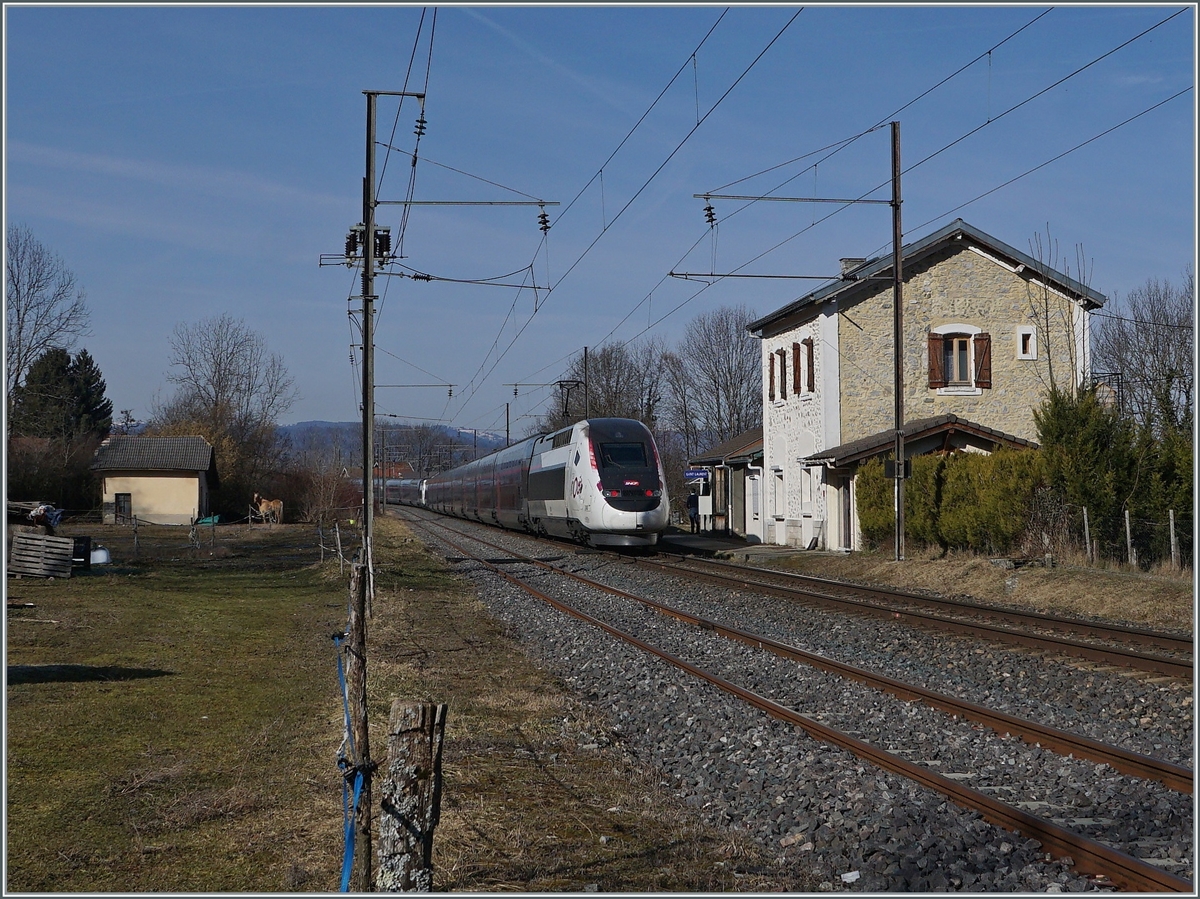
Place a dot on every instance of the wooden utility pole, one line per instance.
(898, 329)
(360, 747)
(411, 796)
(901, 469)
(368, 336)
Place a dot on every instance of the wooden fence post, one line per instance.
(411, 800)
(356, 688)
(1087, 537)
(1129, 541)
(1174, 542)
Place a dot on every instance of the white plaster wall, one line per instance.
(159, 498)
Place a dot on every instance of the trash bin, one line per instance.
(81, 553)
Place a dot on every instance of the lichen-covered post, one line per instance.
(411, 800)
(356, 688)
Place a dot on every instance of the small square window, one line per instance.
(1026, 343)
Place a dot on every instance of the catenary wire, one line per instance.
(599, 174)
(638, 193)
(836, 147)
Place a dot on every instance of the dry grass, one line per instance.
(171, 726)
(1163, 600)
(534, 800)
(173, 719)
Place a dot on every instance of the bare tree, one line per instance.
(427, 448)
(715, 378)
(622, 381)
(317, 478)
(225, 373)
(1145, 345)
(232, 391)
(44, 307)
(1051, 313)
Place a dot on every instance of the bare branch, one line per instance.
(45, 309)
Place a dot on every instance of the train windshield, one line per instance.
(623, 455)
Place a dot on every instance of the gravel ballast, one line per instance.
(817, 807)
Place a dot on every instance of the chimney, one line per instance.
(851, 262)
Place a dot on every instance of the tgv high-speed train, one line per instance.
(599, 482)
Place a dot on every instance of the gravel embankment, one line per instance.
(855, 826)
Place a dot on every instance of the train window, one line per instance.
(623, 455)
(562, 438)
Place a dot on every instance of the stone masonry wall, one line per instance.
(957, 286)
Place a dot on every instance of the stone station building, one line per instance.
(987, 330)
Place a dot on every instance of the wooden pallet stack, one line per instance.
(40, 555)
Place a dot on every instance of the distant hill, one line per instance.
(300, 428)
(348, 432)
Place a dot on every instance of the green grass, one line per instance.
(187, 739)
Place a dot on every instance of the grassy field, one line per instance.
(173, 721)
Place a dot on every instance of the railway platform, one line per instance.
(713, 544)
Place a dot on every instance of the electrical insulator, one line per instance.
(450, 393)
(420, 129)
(364, 283)
(514, 391)
(383, 243)
(351, 244)
(710, 215)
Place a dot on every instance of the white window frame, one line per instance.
(1027, 349)
(779, 496)
(969, 331)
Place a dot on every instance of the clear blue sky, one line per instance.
(192, 161)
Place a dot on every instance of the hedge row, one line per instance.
(957, 501)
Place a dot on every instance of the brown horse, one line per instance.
(269, 509)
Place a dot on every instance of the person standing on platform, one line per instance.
(693, 508)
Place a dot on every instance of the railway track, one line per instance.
(1088, 854)
(1110, 645)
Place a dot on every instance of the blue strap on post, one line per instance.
(349, 812)
(348, 858)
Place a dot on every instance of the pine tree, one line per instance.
(40, 404)
(1092, 459)
(91, 412)
(62, 399)
(62, 406)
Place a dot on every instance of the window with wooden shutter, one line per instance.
(810, 365)
(782, 354)
(796, 368)
(983, 360)
(937, 368)
(771, 381)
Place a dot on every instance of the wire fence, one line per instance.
(1074, 532)
(141, 538)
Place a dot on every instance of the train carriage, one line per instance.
(598, 481)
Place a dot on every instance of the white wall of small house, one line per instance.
(796, 424)
(159, 497)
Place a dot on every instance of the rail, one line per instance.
(1088, 856)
